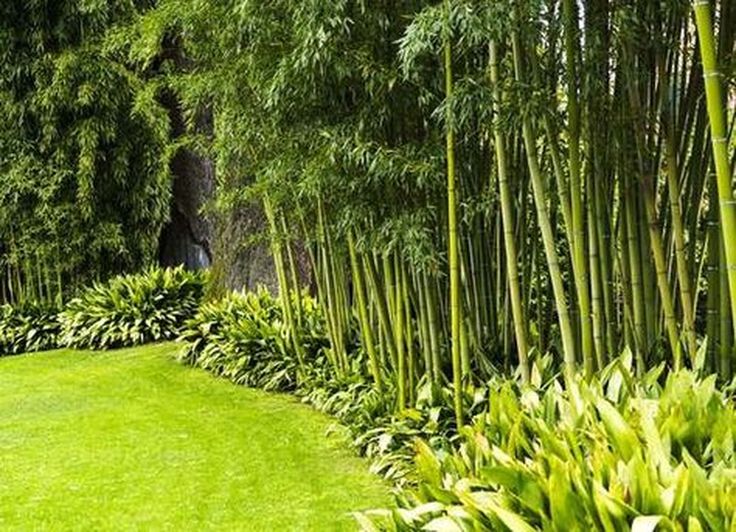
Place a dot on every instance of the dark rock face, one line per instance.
(230, 243)
(187, 238)
(242, 254)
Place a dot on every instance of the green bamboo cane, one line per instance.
(434, 327)
(714, 256)
(39, 277)
(539, 189)
(423, 319)
(713, 303)
(11, 293)
(580, 271)
(342, 310)
(508, 224)
(398, 321)
(634, 269)
(719, 140)
(726, 335)
(378, 298)
(408, 334)
(284, 290)
(660, 263)
(683, 275)
(648, 276)
(293, 274)
(59, 285)
(361, 304)
(452, 232)
(673, 190)
(3, 286)
(333, 324)
(595, 289)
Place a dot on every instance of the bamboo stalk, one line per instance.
(580, 270)
(361, 304)
(284, 289)
(508, 226)
(719, 140)
(452, 233)
(538, 187)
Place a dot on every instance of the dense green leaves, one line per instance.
(132, 309)
(27, 328)
(127, 310)
(85, 176)
(547, 460)
(243, 338)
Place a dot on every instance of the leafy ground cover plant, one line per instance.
(132, 309)
(615, 454)
(243, 338)
(28, 327)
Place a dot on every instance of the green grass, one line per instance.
(131, 440)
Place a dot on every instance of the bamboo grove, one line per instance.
(493, 181)
(573, 209)
(84, 162)
(474, 186)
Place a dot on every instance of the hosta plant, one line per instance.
(132, 309)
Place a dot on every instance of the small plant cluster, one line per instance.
(132, 309)
(28, 327)
(125, 311)
(616, 454)
(243, 338)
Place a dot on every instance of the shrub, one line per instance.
(243, 338)
(27, 328)
(132, 309)
(598, 456)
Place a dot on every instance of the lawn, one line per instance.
(131, 440)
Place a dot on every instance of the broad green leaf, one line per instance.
(428, 466)
(365, 523)
(443, 524)
(622, 435)
(646, 523)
